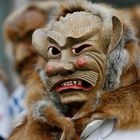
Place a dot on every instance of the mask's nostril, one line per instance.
(66, 72)
(70, 72)
(67, 69)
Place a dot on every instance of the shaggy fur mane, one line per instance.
(71, 7)
(87, 6)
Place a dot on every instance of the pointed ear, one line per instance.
(40, 43)
(117, 33)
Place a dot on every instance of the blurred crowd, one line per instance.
(18, 29)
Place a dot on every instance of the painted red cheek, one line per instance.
(49, 69)
(81, 62)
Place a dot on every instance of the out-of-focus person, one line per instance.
(4, 113)
(18, 30)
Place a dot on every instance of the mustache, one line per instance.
(90, 77)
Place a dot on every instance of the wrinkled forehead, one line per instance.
(76, 25)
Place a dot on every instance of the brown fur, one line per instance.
(134, 14)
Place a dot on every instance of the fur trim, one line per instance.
(118, 59)
(77, 6)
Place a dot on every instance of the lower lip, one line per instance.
(59, 89)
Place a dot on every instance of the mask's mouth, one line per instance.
(74, 84)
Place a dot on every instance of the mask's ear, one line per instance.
(39, 41)
(117, 32)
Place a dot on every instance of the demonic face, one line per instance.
(75, 71)
(75, 54)
(75, 60)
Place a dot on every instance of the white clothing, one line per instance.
(17, 105)
(103, 130)
(5, 125)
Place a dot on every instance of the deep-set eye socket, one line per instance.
(80, 48)
(53, 51)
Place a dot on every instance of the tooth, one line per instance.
(65, 84)
(79, 82)
(74, 82)
(69, 83)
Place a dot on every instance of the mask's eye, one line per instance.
(53, 51)
(80, 48)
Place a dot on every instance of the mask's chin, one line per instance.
(72, 96)
(74, 100)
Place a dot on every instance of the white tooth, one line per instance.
(65, 84)
(69, 83)
(74, 82)
(79, 82)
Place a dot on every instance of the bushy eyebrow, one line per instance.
(51, 40)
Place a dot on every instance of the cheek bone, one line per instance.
(49, 69)
(82, 61)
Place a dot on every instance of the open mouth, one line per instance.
(75, 84)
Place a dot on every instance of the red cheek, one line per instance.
(49, 69)
(81, 62)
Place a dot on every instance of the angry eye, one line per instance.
(53, 51)
(80, 48)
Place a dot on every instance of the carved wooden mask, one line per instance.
(75, 48)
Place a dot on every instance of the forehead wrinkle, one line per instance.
(70, 41)
(75, 25)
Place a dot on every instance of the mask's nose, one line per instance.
(62, 68)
